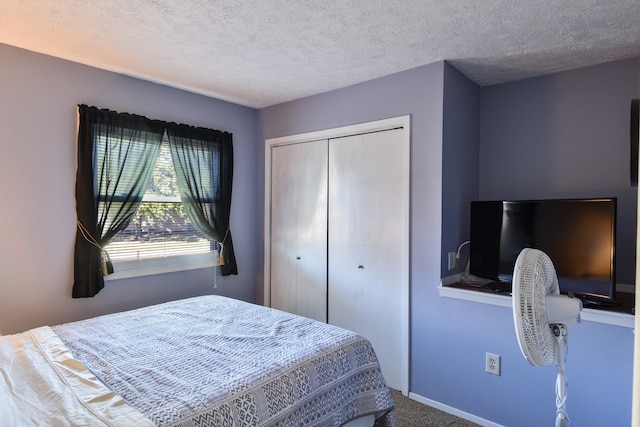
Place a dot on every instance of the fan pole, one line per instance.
(560, 332)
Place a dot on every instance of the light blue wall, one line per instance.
(460, 171)
(564, 135)
(455, 128)
(38, 98)
(449, 337)
(417, 92)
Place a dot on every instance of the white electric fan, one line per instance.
(539, 314)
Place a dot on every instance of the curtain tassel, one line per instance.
(107, 265)
(221, 244)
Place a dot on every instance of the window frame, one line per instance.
(148, 267)
(125, 269)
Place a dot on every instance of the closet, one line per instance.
(336, 233)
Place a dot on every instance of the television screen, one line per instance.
(577, 234)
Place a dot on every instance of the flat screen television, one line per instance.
(577, 234)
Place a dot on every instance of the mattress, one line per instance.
(203, 361)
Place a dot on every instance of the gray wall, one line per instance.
(38, 98)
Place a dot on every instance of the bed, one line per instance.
(202, 361)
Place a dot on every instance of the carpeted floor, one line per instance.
(409, 413)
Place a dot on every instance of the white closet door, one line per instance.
(368, 223)
(299, 229)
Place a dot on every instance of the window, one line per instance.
(160, 228)
(131, 204)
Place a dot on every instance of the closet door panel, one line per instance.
(299, 229)
(366, 228)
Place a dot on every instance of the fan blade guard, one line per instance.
(534, 278)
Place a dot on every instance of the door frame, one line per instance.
(403, 122)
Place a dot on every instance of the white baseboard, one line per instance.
(453, 411)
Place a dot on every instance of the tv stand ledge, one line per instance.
(617, 314)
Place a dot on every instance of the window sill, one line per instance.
(130, 269)
(587, 314)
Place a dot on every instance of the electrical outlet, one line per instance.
(452, 260)
(492, 365)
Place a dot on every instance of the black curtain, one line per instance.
(116, 156)
(203, 159)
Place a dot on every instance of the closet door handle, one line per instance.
(361, 266)
(297, 257)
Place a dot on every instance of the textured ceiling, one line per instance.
(264, 52)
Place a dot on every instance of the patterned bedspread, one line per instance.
(215, 361)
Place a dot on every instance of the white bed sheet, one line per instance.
(42, 384)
